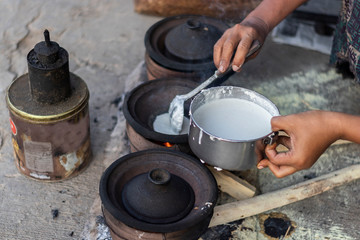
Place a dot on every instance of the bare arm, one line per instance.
(310, 134)
(255, 26)
(350, 127)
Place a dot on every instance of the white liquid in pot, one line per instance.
(233, 119)
(162, 125)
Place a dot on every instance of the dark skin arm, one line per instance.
(255, 26)
(309, 133)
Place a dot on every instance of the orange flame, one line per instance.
(167, 144)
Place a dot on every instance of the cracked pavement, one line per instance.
(103, 50)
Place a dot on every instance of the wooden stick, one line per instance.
(241, 209)
(232, 184)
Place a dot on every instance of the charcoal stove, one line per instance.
(157, 194)
(182, 46)
(144, 103)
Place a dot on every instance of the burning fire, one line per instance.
(167, 144)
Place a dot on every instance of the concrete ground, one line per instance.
(105, 43)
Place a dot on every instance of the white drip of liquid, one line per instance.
(233, 119)
(162, 125)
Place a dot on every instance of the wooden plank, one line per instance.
(232, 184)
(219, 9)
(241, 209)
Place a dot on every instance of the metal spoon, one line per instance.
(176, 109)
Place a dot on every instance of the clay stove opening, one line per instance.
(144, 103)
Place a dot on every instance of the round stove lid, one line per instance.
(158, 197)
(185, 42)
(192, 40)
(184, 166)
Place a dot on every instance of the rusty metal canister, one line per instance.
(49, 116)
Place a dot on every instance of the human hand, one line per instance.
(309, 135)
(239, 38)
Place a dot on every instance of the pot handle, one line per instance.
(271, 138)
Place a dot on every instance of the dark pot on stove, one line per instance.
(144, 103)
(182, 46)
(157, 194)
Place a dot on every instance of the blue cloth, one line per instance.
(346, 44)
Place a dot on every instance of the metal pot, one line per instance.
(227, 153)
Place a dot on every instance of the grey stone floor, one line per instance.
(105, 43)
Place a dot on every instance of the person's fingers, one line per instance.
(218, 50)
(259, 150)
(284, 140)
(226, 46)
(279, 171)
(282, 170)
(228, 49)
(279, 158)
(280, 123)
(241, 52)
(263, 163)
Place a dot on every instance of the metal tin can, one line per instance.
(49, 116)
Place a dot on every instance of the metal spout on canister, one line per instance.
(49, 75)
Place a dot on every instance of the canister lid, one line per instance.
(19, 100)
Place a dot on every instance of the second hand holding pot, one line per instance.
(176, 109)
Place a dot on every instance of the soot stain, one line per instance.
(116, 101)
(276, 225)
(221, 232)
(310, 176)
(55, 213)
